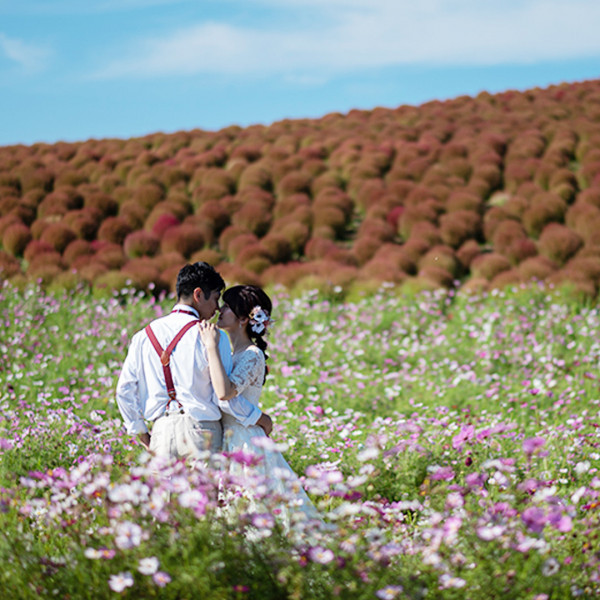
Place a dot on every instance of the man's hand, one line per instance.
(266, 423)
(144, 439)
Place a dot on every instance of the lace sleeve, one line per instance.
(248, 369)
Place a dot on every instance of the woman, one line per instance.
(245, 315)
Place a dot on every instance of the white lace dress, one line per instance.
(247, 376)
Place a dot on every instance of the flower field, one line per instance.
(451, 443)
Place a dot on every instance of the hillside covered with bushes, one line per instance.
(480, 192)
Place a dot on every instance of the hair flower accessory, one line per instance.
(259, 320)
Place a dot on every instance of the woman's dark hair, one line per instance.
(241, 299)
(199, 275)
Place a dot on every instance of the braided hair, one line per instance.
(243, 300)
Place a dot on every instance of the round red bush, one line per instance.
(536, 268)
(185, 239)
(75, 250)
(9, 266)
(83, 223)
(141, 243)
(559, 243)
(489, 265)
(545, 208)
(15, 239)
(160, 223)
(278, 247)
(215, 215)
(114, 230)
(58, 235)
(467, 253)
(459, 226)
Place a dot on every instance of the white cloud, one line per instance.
(27, 56)
(350, 34)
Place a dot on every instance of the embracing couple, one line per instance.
(199, 387)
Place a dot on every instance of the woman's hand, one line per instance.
(209, 333)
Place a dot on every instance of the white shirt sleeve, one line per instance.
(241, 409)
(127, 393)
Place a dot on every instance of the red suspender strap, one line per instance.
(165, 358)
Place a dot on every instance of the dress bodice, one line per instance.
(247, 375)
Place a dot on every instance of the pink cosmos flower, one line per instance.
(532, 444)
(161, 578)
(534, 518)
(118, 583)
(442, 474)
(321, 555)
(128, 535)
(466, 434)
(244, 458)
(389, 592)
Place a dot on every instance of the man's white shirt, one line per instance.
(141, 390)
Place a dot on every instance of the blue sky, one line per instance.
(74, 70)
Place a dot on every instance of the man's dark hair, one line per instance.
(199, 275)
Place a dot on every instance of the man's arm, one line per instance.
(128, 400)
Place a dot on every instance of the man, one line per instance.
(165, 376)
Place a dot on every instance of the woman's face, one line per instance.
(227, 319)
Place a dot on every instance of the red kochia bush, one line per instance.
(77, 249)
(295, 182)
(9, 266)
(510, 278)
(143, 274)
(102, 203)
(516, 206)
(440, 257)
(114, 229)
(462, 200)
(184, 239)
(459, 226)
(253, 216)
(148, 195)
(365, 248)
(277, 247)
(84, 223)
(414, 213)
(318, 247)
(467, 253)
(15, 239)
(424, 230)
(214, 215)
(256, 175)
(584, 220)
(537, 267)
(7, 221)
(133, 213)
(36, 247)
(58, 235)
(287, 205)
(207, 255)
(489, 265)
(439, 276)
(228, 234)
(161, 223)
(588, 266)
(254, 258)
(109, 254)
(559, 243)
(545, 208)
(141, 243)
(58, 203)
(590, 196)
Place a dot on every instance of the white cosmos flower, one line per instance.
(148, 566)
